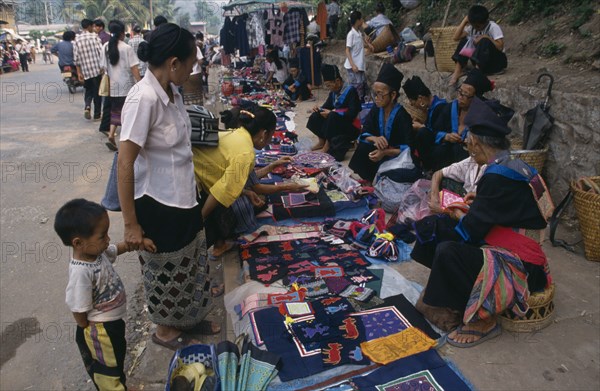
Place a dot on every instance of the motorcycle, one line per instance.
(69, 75)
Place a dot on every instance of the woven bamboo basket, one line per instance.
(388, 37)
(539, 315)
(444, 46)
(536, 158)
(415, 114)
(587, 206)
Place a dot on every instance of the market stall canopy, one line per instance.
(14, 36)
(257, 4)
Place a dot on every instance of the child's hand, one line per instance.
(149, 245)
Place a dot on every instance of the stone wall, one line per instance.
(574, 142)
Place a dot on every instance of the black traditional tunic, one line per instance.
(340, 127)
(451, 249)
(396, 131)
(301, 84)
(434, 152)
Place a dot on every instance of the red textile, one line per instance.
(321, 19)
(527, 249)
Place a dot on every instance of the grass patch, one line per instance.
(551, 49)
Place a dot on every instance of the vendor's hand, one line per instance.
(282, 161)
(417, 125)
(292, 88)
(376, 155)
(149, 245)
(354, 69)
(434, 205)
(380, 142)
(255, 200)
(455, 213)
(452, 138)
(325, 113)
(134, 237)
(469, 198)
(296, 187)
(316, 109)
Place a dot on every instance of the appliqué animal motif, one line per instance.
(334, 353)
(356, 354)
(349, 326)
(310, 332)
(334, 309)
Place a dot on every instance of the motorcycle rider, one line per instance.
(64, 51)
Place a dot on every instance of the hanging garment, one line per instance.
(275, 18)
(321, 19)
(256, 30)
(241, 34)
(292, 22)
(227, 36)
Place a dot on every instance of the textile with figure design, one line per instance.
(396, 346)
(272, 261)
(423, 371)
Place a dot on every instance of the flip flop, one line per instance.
(111, 146)
(176, 343)
(496, 331)
(203, 328)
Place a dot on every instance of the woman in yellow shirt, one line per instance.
(221, 172)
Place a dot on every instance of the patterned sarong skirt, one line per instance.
(176, 284)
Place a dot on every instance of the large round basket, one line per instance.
(539, 315)
(587, 206)
(444, 46)
(536, 158)
(387, 37)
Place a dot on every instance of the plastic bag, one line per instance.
(340, 176)
(414, 204)
(390, 193)
(408, 35)
(402, 161)
(468, 49)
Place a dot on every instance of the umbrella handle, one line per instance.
(550, 84)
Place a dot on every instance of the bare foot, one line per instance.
(443, 318)
(317, 146)
(221, 248)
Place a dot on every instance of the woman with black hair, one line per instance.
(158, 194)
(222, 172)
(120, 62)
(278, 71)
(387, 128)
(421, 98)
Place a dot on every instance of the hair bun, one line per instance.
(143, 51)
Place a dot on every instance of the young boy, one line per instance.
(95, 293)
(355, 54)
(481, 41)
(295, 86)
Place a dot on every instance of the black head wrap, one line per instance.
(414, 87)
(390, 76)
(483, 121)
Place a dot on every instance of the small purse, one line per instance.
(110, 201)
(104, 89)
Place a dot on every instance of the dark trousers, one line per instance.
(336, 129)
(486, 57)
(437, 156)
(302, 92)
(91, 87)
(105, 121)
(24, 63)
(102, 347)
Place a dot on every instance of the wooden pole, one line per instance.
(446, 13)
(312, 64)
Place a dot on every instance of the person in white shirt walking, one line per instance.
(355, 54)
(121, 64)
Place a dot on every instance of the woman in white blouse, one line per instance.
(157, 191)
(121, 64)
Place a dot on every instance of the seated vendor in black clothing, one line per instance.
(443, 143)
(296, 86)
(336, 122)
(387, 128)
(421, 98)
(481, 262)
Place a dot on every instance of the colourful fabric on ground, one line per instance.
(423, 371)
(396, 346)
(501, 285)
